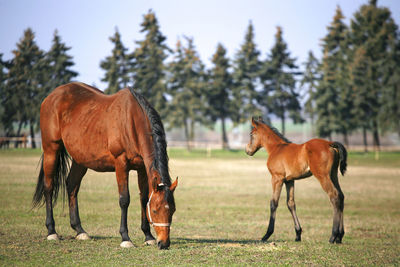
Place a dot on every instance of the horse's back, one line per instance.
(91, 125)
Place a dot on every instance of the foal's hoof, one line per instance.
(127, 244)
(82, 236)
(150, 242)
(53, 237)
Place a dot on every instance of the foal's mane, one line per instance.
(160, 161)
(275, 131)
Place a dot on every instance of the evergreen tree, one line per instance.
(3, 74)
(186, 85)
(309, 82)
(246, 67)
(373, 30)
(220, 97)
(24, 83)
(148, 69)
(362, 91)
(390, 111)
(116, 66)
(59, 63)
(279, 90)
(328, 92)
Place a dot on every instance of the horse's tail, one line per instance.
(342, 156)
(62, 166)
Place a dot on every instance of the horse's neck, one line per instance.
(270, 140)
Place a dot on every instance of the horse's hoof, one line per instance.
(82, 236)
(53, 237)
(150, 242)
(126, 244)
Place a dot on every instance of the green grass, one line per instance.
(222, 212)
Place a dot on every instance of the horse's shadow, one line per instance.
(222, 241)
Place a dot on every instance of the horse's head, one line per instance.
(159, 211)
(255, 138)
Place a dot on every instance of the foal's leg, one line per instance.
(292, 208)
(335, 182)
(144, 193)
(276, 193)
(73, 183)
(122, 173)
(50, 157)
(337, 202)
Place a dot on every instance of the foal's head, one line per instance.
(255, 138)
(159, 210)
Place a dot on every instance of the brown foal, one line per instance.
(288, 162)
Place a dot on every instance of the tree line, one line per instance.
(354, 86)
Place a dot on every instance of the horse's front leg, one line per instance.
(292, 208)
(122, 173)
(144, 192)
(276, 193)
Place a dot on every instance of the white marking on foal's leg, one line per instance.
(150, 242)
(53, 237)
(126, 244)
(82, 236)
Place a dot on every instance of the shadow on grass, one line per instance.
(95, 237)
(223, 241)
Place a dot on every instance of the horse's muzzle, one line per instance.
(163, 245)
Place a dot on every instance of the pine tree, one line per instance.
(220, 97)
(362, 91)
(186, 85)
(279, 90)
(59, 63)
(116, 66)
(327, 96)
(24, 84)
(246, 67)
(3, 76)
(148, 69)
(309, 82)
(390, 111)
(373, 29)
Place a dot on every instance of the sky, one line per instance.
(86, 25)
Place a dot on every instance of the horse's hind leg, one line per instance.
(276, 193)
(292, 208)
(49, 170)
(335, 182)
(73, 183)
(144, 193)
(336, 197)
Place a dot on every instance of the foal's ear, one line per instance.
(254, 122)
(174, 185)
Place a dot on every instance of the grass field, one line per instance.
(222, 212)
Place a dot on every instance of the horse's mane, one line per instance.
(273, 129)
(160, 161)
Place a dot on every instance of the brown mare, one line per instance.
(105, 133)
(288, 162)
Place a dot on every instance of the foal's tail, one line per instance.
(61, 170)
(342, 156)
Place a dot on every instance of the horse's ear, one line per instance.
(254, 122)
(174, 185)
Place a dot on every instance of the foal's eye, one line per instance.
(154, 211)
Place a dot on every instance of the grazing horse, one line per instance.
(288, 162)
(105, 133)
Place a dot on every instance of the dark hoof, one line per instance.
(298, 239)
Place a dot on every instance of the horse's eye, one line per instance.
(154, 211)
